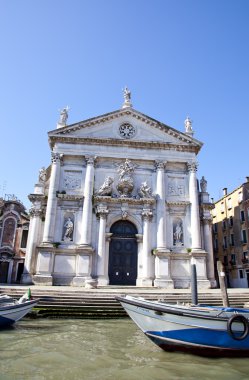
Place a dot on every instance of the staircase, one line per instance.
(65, 302)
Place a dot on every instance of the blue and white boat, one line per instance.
(199, 329)
(12, 310)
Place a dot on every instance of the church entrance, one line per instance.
(123, 254)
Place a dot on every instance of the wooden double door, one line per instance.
(123, 254)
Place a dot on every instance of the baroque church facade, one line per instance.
(120, 204)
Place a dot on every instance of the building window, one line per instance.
(240, 197)
(242, 215)
(233, 259)
(245, 257)
(215, 228)
(225, 260)
(222, 208)
(243, 237)
(230, 221)
(24, 239)
(225, 242)
(229, 203)
(232, 240)
(241, 273)
(224, 224)
(216, 244)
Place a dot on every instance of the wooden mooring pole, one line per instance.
(194, 292)
(223, 287)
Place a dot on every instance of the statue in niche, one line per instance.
(68, 234)
(203, 184)
(42, 175)
(145, 190)
(106, 188)
(125, 183)
(178, 233)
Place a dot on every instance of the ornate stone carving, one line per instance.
(125, 183)
(127, 130)
(203, 184)
(175, 189)
(106, 188)
(192, 166)
(56, 158)
(124, 214)
(145, 191)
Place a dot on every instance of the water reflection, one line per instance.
(89, 349)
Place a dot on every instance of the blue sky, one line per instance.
(178, 57)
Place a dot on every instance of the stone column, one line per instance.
(34, 227)
(50, 218)
(194, 207)
(208, 246)
(146, 279)
(161, 210)
(86, 227)
(102, 212)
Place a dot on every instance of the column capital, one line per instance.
(102, 211)
(36, 212)
(90, 160)
(159, 165)
(56, 158)
(147, 214)
(192, 166)
(207, 220)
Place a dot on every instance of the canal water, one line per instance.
(44, 349)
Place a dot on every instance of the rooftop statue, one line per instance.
(127, 98)
(64, 115)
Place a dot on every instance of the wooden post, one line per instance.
(223, 288)
(194, 293)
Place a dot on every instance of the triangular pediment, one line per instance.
(126, 126)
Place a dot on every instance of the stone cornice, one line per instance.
(120, 142)
(70, 197)
(178, 203)
(36, 197)
(108, 199)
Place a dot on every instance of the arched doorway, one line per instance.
(123, 254)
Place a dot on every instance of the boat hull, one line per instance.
(10, 314)
(202, 331)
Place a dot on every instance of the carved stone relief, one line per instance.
(176, 187)
(72, 180)
(106, 188)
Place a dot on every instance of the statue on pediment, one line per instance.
(203, 184)
(42, 175)
(64, 115)
(127, 98)
(106, 188)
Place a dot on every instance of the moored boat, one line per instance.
(199, 329)
(12, 310)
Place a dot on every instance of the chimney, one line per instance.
(212, 200)
(225, 191)
(247, 179)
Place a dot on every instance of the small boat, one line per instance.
(12, 310)
(199, 329)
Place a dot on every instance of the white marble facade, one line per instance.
(122, 171)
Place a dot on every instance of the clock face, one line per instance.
(127, 130)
